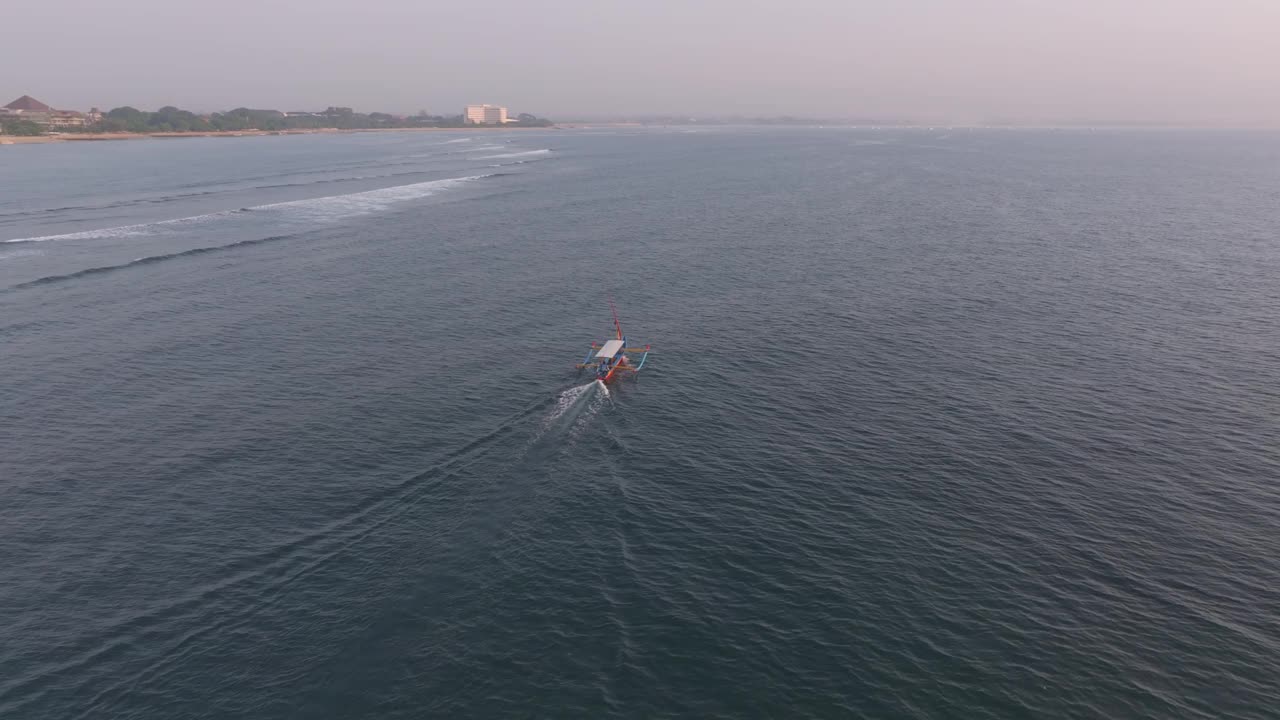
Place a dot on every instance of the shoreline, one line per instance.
(107, 137)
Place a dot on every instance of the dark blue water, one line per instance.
(939, 424)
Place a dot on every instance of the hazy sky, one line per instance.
(1182, 61)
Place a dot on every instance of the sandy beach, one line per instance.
(87, 137)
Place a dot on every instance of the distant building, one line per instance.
(29, 108)
(68, 118)
(27, 104)
(484, 115)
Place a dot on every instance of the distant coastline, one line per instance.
(27, 117)
(107, 137)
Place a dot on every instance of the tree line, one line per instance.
(172, 119)
(13, 126)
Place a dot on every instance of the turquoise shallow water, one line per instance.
(938, 424)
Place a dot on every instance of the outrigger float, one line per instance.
(609, 359)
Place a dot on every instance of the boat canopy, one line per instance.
(610, 349)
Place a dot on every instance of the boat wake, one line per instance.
(573, 401)
(158, 638)
(572, 413)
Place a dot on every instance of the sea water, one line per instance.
(963, 423)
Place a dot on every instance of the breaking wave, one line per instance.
(9, 218)
(322, 209)
(526, 153)
(146, 261)
(19, 254)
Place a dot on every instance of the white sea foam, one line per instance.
(527, 153)
(574, 408)
(567, 400)
(322, 209)
(19, 254)
(362, 203)
(592, 406)
(129, 230)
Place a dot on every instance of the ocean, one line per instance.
(937, 424)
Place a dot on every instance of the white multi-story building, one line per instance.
(484, 115)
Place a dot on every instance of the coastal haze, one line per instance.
(939, 422)
(1180, 62)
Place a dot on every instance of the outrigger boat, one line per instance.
(609, 359)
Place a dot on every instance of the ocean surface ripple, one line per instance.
(973, 424)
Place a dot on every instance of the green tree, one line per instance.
(111, 125)
(21, 127)
(172, 119)
(248, 119)
(132, 119)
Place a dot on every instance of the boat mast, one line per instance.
(617, 325)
